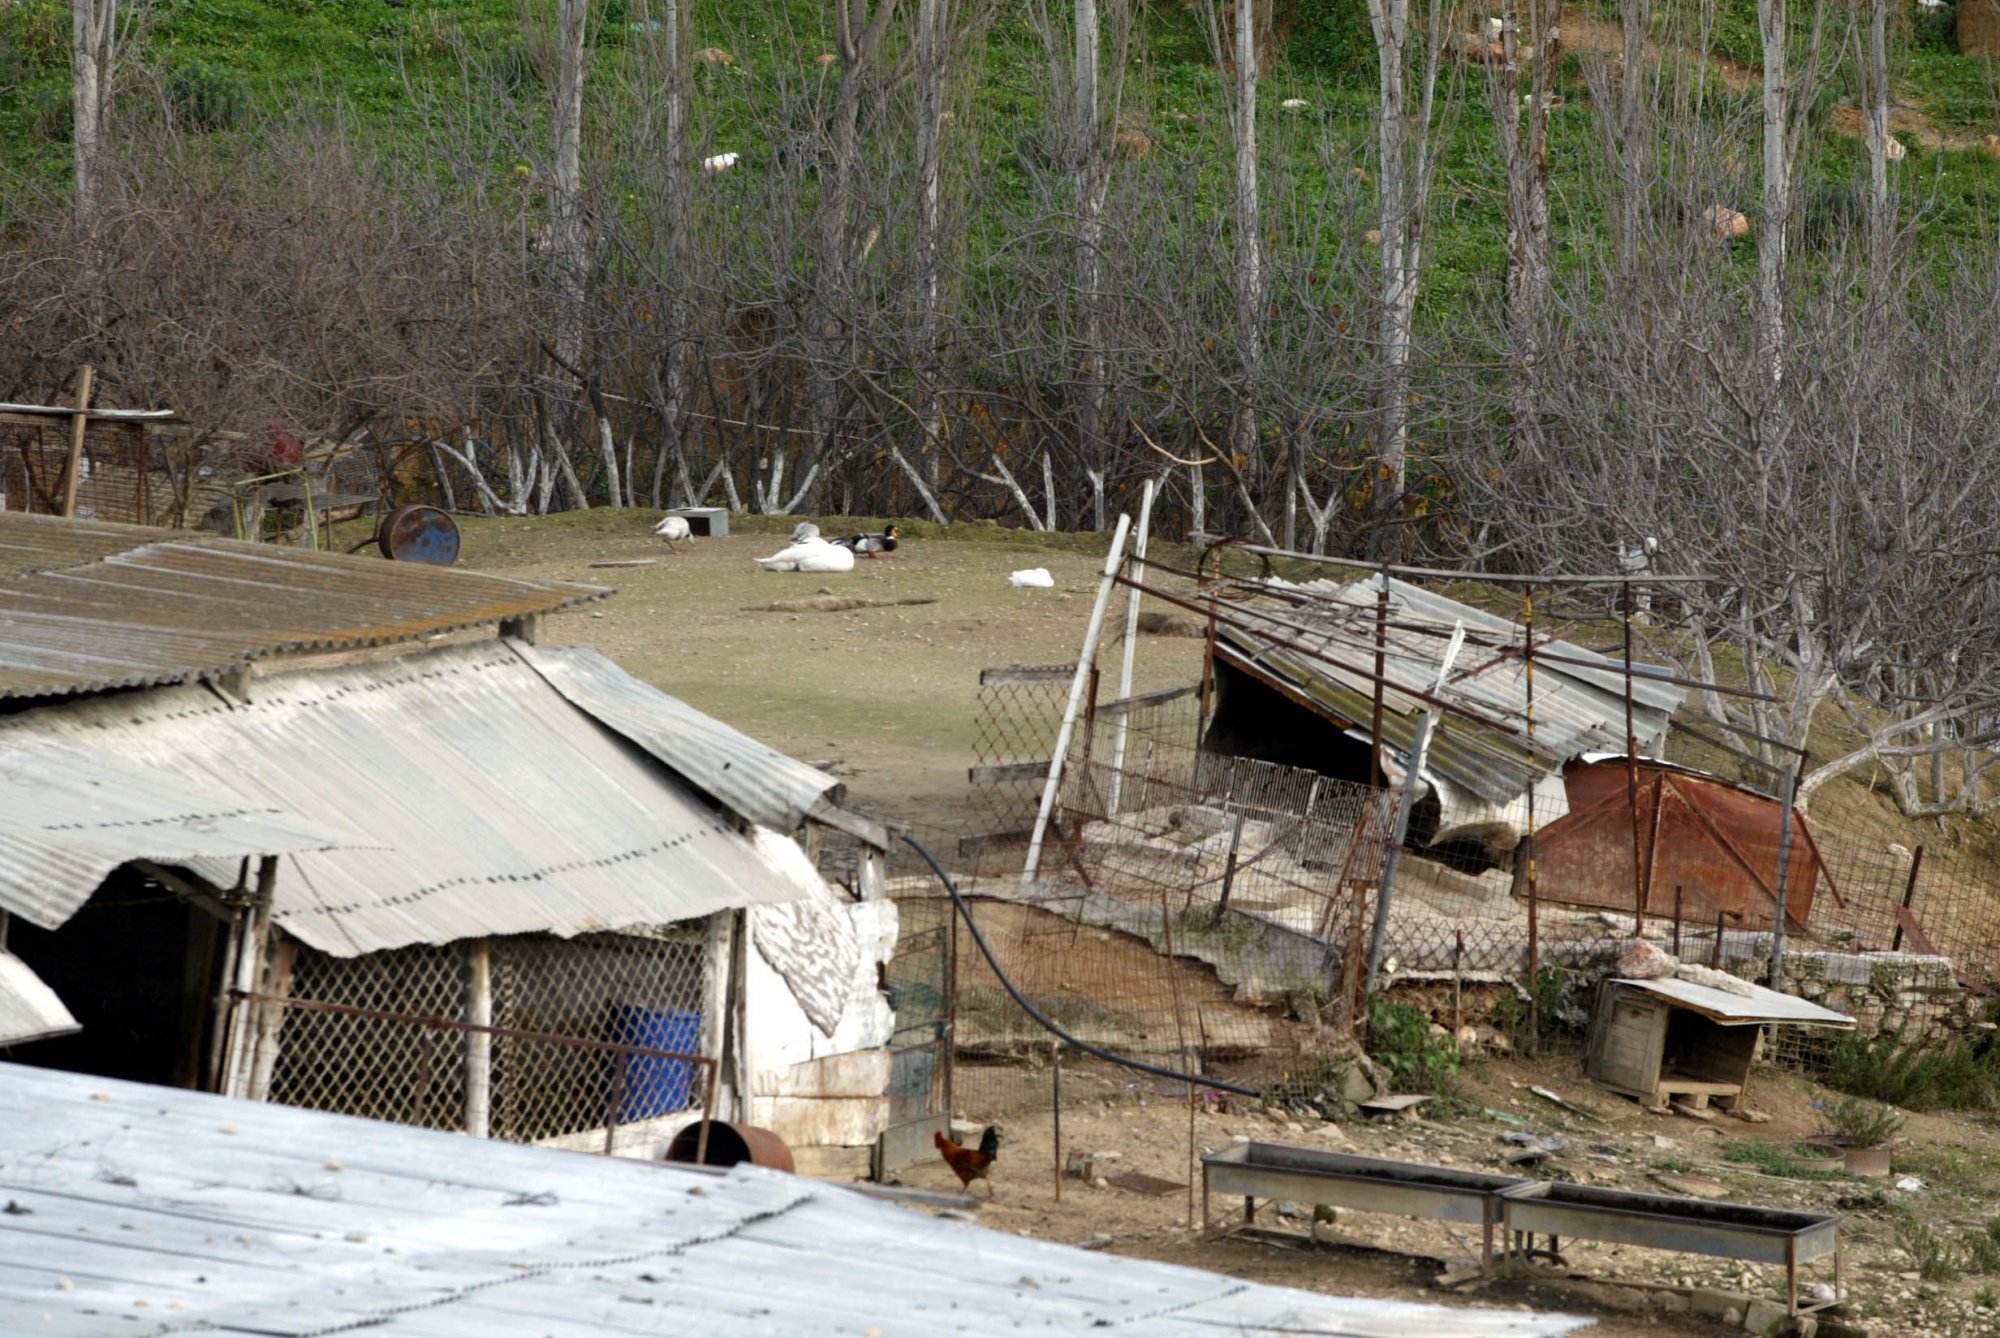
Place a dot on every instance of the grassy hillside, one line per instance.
(225, 66)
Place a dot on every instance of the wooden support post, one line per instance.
(1677, 919)
(718, 952)
(479, 1044)
(72, 471)
(277, 982)
(248, 967)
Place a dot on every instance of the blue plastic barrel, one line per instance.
(653, 1086)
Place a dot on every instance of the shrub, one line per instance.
(1935, 1257)
(207, 96)
(1953, 1076)
(1859, 1123)
(1400, 1040)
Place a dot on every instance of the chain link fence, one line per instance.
(595, 1004)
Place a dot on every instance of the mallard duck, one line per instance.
(871, 545)
(674, 529)
(810, 554)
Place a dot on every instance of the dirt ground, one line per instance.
(1957, 1158)
(881, 696)
(884, 696)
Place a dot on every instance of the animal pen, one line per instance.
(1214, 902)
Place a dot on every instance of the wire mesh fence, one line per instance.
(580, 1031)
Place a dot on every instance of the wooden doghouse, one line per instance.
(1667, 1040)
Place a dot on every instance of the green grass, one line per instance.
(1779, 1159)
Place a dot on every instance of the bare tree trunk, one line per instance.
(1777, 195)
(1090, 178)
(1875, 83)
(568, 236)
(933, 19)
(671, 388)
(93, 58)
(1635, 20)
(1403, 168)
(1528, 62)
(1249, 274)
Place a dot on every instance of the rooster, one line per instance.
(970, 1164)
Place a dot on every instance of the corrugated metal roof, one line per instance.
(477, 801)
(151, 1210)
(86, 605)
(29, 1010)
(72, 810)
(740, 773)
(1735, 1010)
(1578, 708)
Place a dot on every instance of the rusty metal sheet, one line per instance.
(1715, 840)
(86, 606)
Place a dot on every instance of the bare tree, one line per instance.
(1240, 98)
(1524, 80)
(94, 49)
(1409, 44)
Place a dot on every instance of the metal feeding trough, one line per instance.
(1365, 1184)
(1525, 1209)
(1658, 1221)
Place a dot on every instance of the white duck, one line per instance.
(809, 553)
(674, 529)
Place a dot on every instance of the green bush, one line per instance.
(1331, 38)
(1400, 1040)
(1936, 1258)
(1952, 1076)
(207, 96)
(1858, 1123)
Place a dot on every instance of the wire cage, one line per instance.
(118, 478)
(593, 1002)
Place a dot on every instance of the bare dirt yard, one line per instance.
(884, 694)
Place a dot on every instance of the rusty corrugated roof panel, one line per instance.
(86, 606)
(467, 795)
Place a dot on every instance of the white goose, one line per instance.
(809, 553)
(674, 529)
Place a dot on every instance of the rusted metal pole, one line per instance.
(1055, 1064)
(1715, 951)
(73, 470)
(1677, 919)
(1534, 908)
(1229, 866)
(1909, 897)
(1632, 773)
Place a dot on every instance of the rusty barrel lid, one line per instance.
(418, 534)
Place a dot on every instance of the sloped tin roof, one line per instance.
(140, 1211)
(445, 794)
(86, 605)
(1578, 707)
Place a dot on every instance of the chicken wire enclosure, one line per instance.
(1015, 726)
(625, 989)
(115, 473)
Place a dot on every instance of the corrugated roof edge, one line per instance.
(77, 545)
(737, 771)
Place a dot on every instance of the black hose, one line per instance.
(965, 913)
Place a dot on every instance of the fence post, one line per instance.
(479, 1044)
(77, 426)
(1083, 664)
(1131, 644)
(1909, 897)
(1785, 803)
